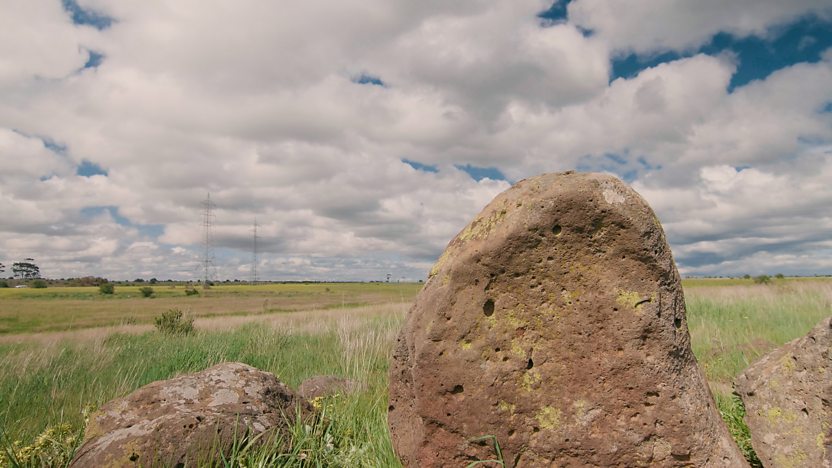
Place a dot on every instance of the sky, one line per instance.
(362, 135)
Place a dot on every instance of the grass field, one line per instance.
(69, 308)
(50, 374)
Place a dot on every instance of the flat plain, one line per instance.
(66, 351)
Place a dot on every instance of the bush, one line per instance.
(38, 284)
(107, 288)
(762, 279)
(174, 322)
(191, 292)
(4, 284)
(146, 291)
(779, 276)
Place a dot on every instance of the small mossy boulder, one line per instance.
(190, 419)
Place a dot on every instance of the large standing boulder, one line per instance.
(788, 402)
(555, 324)
(187, 419)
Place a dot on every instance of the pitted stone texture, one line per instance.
(188, 418)
(327, 385)
(788, 402)
(555, 322)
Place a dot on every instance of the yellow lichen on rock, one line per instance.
(506, 407)
(529, 379)
(481, 228)
(548, 417)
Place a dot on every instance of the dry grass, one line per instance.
(57, 309)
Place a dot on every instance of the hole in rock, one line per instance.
(677, 322)
(530, 364)
(457, 389)
(134, 457)
(556, 229)
(391, 408)
(535, 429)
(496, 350)
(510, 432)
(488, 308)
(805, 411)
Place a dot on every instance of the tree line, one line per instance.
(25, 270)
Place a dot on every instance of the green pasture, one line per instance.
(48, 383)
(29, 310)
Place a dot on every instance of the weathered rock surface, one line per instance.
(326, 385)
(555, 322)
(788, 401)
(182, 420)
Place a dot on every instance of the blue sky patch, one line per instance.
(801, 41)
(94, 59)
(479, 173)
(827, 107)
(626, 168)
(94, 211)
(420, 167)
(147, 230)
(556, 13)
(84, 17)
(89, 169)
(53, 146)
(366, 79)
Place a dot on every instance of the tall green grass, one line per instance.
(53, 386)
(731, 327)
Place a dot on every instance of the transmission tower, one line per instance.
(208, 241)
(254, 256)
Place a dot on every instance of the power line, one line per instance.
(254, 256)
(208, 240)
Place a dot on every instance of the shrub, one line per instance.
(779, 276)
(107, 288)
(191, 292)
(146, 291)
(55, 446)
(4, 284)
(174, 322)
(38, 284)
(762, 279)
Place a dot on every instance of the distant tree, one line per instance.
(779, 276)
(138, 280)
(2, 268)
(762, 279)
(146, 291)
(746, 276)
(153, 281)
(39, 284)
(27, 269)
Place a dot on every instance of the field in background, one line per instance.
(50, 378)
(69, 308)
